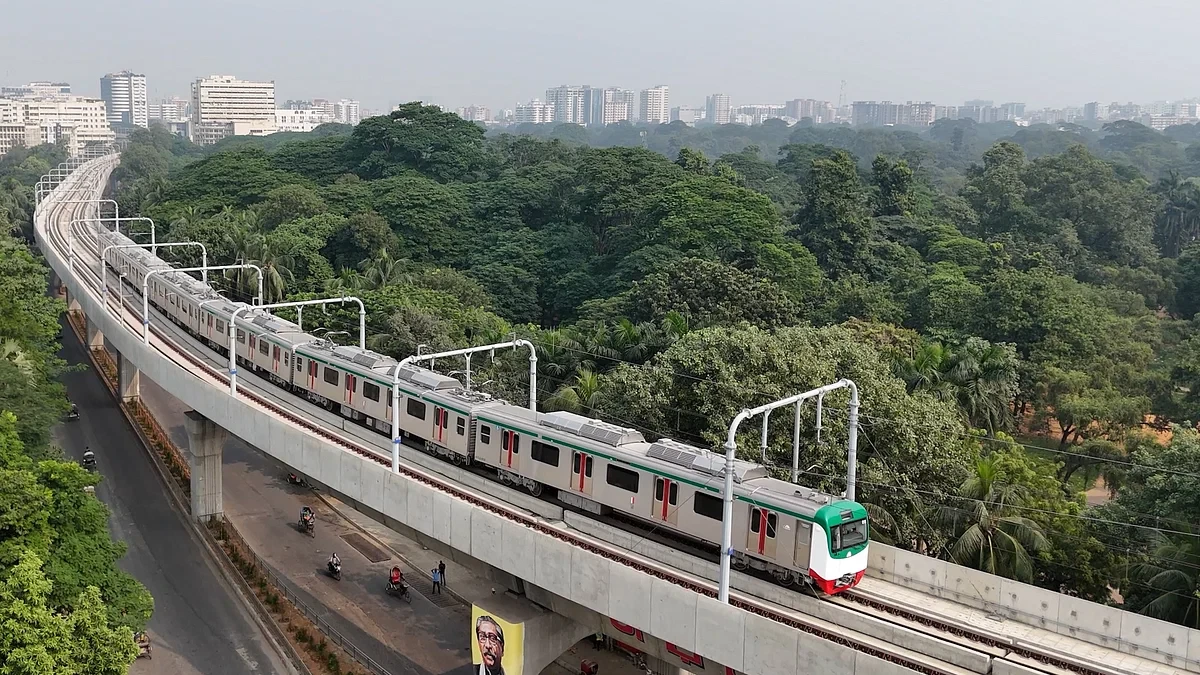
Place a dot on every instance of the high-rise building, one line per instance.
(125, 95)
(569, 103)
(656, 105)
(534, 112)
(1012, 111)
(346, 111)
(174, 109)
(820, 112)
(1093, 111)
(616, 105)
(475, 113)
(717, 109)
(687, 114)
(223, 105)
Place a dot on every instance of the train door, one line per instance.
(252, 342)
(441, 419)
(666, 500)
(581, 472)
(510, 449)
(803, 543)
(210, 326)
(351, 384)
(312, 375)
(274, 359)
(762, 532)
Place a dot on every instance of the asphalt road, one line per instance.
(199, 626)
(423, 637)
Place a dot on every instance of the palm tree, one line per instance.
(988, 537)
(383, 270)
(582, 397)
(347, 280)
(925, 371)
(1173, 578)
(277, 270)
(984, 376)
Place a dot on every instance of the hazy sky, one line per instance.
(458, 52)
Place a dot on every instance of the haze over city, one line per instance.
(1044, 53)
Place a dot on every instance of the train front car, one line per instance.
(839, 552)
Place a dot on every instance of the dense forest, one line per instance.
(64, 605)
(1017, 305)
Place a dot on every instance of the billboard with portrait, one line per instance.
(497, 646)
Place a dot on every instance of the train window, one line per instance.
(371, 391)
(263, 347)
(849, 535)
(756, 522)
(299, 363)
(285, 359)
(416, 408)
(622, 478)
(461, 426)
(587, 467)
(511, 441)
(485, 434)
(704, 504)
(546, 454)
(674, 497)
(332, 376)
(241, 336)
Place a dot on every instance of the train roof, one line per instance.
(472, 398)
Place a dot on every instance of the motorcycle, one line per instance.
(74, 413)
(309, 526)
(400, 589)
(335, 571)
(293, 479)
(89, 461)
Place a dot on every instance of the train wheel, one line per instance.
(535, 489)
(783, 577)
(740, 564)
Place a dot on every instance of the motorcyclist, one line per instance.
(74, 411)
(89, 457)
(397, 579)
(306, 515)
(335, 563)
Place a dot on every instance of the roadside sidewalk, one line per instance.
(466, 587)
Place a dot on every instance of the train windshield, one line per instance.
(849, 535)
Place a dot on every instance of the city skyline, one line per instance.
(490, 55)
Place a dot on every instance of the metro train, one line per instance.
(797, 535)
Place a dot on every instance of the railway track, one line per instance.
(993, 647)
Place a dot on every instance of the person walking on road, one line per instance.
(442, 571)
(437, 580)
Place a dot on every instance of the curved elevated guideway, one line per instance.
(585, 569)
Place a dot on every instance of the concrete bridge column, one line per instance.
(128, 377)
(95, 338)
(205, 443)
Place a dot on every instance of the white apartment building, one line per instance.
(617, 106)
(475, 113)
(717, 109)
(305, 120)
(570, 103)
(223, 105)
(74, 121)
(656, 105)
(174, 109)
(125, 95)
(346, 111)
(534, 112)
(689, 115)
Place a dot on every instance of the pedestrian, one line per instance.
(437, 580)
(442, 571)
